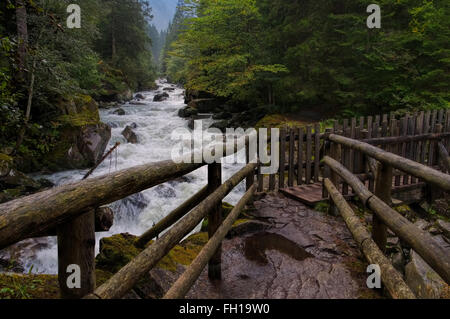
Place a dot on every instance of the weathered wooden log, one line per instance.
(405, 139)
(391, 278)
(215, 218)
(383, 186)
(104, 219)
(128, 276)
(443, 154)
(188, 278)
(32, 215)
(76, 255)
(173, 217)
(418, 239)
(426, 173)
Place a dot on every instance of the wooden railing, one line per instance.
(414, 136)
(70, 212)
(380, 202)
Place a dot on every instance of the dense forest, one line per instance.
(291, 55)
(50, 73)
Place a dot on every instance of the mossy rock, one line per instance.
(18, 286)
(119, 250)
(116, 252)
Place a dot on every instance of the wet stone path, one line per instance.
(288, 251)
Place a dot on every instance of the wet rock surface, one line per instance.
(289, 251)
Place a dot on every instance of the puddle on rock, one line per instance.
(256, 246)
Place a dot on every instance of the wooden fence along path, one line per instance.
(368, 157)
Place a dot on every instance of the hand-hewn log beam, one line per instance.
(37, 213)
(129, 275)
(391, 278)
(419, 240)
(426, 173)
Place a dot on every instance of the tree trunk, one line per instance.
(22, 35)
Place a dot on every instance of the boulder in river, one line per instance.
(129, 135)
(187, 112)
(169, 89)
(139, 96)
(137, 103)
(119, 111)
(161, 97)
(17, 179)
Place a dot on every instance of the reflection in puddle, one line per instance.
(256, 246)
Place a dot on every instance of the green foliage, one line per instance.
(303, 54)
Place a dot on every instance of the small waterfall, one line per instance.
(154, 123)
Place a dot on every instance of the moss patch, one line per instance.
(80, 119)
(279, 120)
(184, 253)
(116, 252)
(18, 286)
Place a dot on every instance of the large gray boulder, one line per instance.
(187, 112)
(422, 279)
(129, 135)
(161, 97)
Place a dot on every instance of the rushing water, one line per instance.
(155, 123)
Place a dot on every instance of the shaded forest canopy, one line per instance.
(292, 55)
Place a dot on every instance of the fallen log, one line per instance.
(173, 217)
(418, 239)
(426, 173)
(188, 278)
(391, 278)
(128, 276)
(32, 215)
(104, 219)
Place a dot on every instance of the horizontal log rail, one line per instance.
(426, 173)
(128, 276)
(35, 214)
(103, 219)
(188, 278)
(173, 217)
(419, 240)
(406, 139)
(391, 278)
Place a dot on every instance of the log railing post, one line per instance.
(250, 180)
(76, 256)
(215, 220)
(335, 153)
(383, 186)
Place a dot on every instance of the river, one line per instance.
(155, 123)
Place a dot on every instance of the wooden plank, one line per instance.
(215, 219)
(300, 156)
(309, 194)
(405, 121)
(308, 154)
(369, 126)
(316, 152)
(291, 157)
